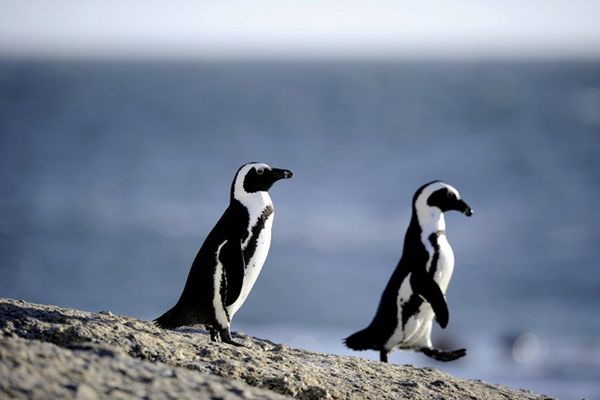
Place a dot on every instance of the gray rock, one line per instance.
(53, 352)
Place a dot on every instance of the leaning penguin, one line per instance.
(230, 260)
(416, 291)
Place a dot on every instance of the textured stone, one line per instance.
(53, 352)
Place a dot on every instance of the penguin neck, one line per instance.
(431, 220)
(255, 201)
(256, 205)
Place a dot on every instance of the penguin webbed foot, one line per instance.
(442, 355)
(383, 356)
(214, 335)
(226, 338)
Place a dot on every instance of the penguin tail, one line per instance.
(362, 340)
(172, 319)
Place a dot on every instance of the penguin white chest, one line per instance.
(443, 257)
(255, 248)
(255, 263)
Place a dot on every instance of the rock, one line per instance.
(53, 352)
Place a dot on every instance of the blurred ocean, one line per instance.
(112, 173)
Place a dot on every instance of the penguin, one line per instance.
(415, 293)
(231, 257)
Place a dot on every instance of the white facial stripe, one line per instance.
(435, 186)
(453, 190)
(430, 218)
(238, 190)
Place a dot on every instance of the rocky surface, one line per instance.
(53, 352)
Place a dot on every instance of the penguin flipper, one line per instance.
(232, 258)
(423, 285)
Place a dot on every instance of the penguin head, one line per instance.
(437, 197)
(257, 177)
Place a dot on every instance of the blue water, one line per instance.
(111, 175)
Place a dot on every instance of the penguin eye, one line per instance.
(260, 171)
(450, 195)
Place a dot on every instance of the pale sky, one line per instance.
(301, 29)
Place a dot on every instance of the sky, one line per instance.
(300, 29)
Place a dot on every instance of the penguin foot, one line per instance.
(383, 356)
(214, 335)
(442, 355)
(226, 338)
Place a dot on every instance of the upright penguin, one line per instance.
(230, 260)
(416, 290)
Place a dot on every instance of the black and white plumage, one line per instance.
(415, 293)
(231, 258)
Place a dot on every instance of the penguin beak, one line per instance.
(277, 174)
(464, 208)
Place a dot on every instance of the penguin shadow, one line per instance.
(194, 331)
(247, 341)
